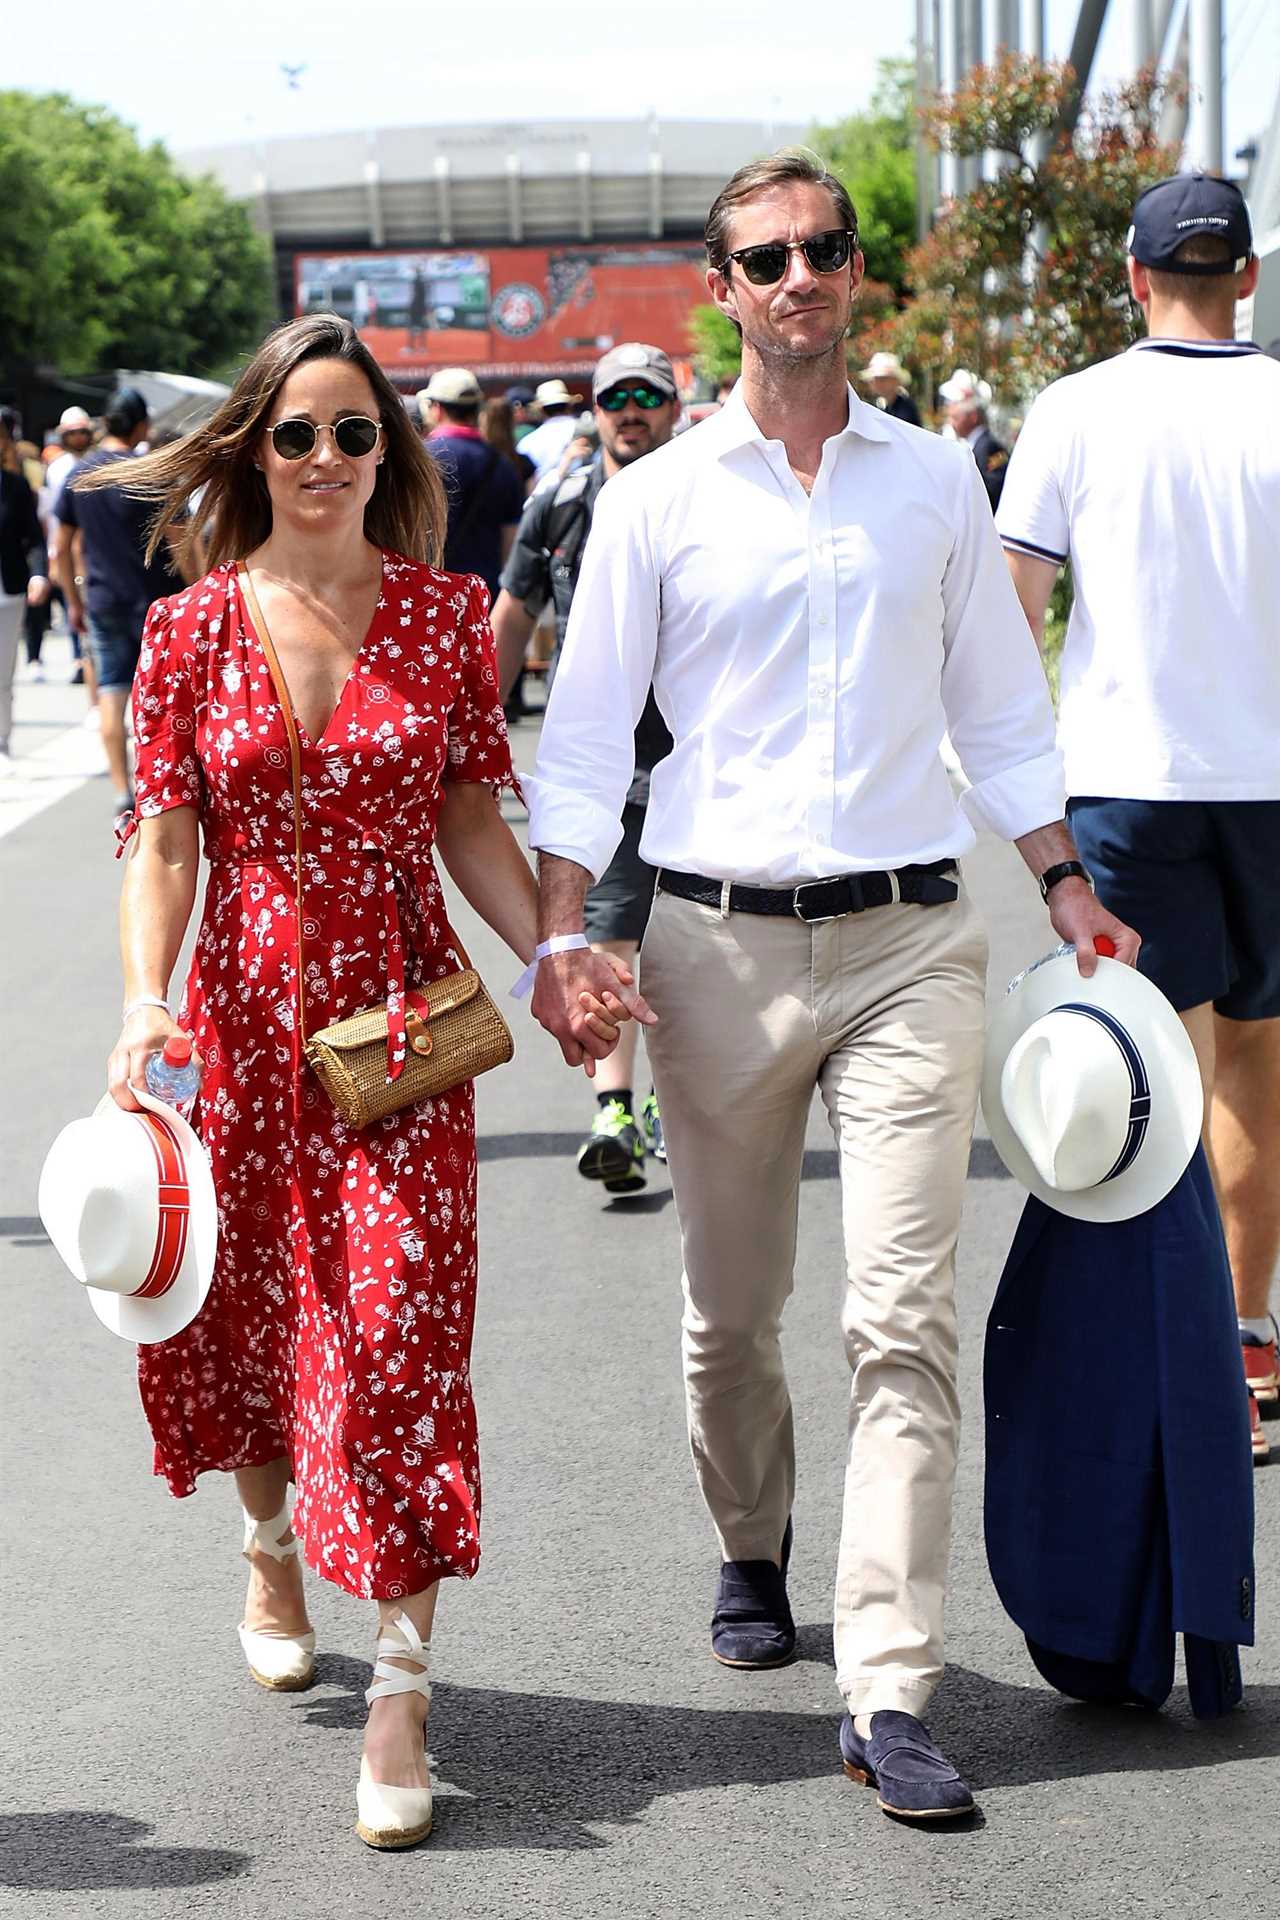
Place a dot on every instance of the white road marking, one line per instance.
(38, 779)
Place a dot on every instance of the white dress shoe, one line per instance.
(285, 1662)
(388, 1817)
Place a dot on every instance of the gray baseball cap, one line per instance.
(634, 361)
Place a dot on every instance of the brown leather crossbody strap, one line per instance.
(295, 771)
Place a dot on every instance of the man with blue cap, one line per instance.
(1157, 475)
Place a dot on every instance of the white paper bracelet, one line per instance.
(561, 943)
(146, 1000)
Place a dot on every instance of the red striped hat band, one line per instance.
(175, 1208)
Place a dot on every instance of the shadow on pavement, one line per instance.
(56, 1852)
(820, 1163)
(541, 1771)
(1003, 1736)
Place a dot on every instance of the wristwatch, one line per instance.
(1065, 870)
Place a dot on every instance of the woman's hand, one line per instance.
(143, 1033)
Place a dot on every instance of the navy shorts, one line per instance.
(1200, 881)
(115, 639)
(618, 905)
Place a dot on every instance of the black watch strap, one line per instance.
(1065, 870)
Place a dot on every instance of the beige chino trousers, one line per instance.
(883, 1011)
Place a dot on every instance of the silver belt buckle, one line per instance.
(813, 919)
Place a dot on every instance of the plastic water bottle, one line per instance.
(173, 1074)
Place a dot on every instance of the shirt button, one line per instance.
(822, 620)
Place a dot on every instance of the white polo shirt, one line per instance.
(806, 652)
(1157, 474)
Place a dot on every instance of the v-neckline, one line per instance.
(316, 740)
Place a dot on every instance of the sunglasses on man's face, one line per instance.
(355, 435)
(825, 252)
(617, 397)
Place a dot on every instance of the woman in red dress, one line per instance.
(333, 1350)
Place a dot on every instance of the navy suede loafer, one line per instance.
(752, 1624)
(912, 1779)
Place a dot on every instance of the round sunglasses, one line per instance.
(616, 398)
(825, 253)
(355, 435)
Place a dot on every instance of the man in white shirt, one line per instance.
(815, 591)
(1157, 474)
(545, 446)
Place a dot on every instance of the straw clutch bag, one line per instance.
(453, 1029)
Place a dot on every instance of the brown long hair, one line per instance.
(407, 512)
(497, 426)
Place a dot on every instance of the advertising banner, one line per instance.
(507, 311)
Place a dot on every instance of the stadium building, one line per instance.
(521, 251)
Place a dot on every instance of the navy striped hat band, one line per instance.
(1139, 1088)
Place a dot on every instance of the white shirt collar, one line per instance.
(737, 427)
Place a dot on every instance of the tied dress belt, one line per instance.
(916, 886)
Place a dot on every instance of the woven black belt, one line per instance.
(922, 886)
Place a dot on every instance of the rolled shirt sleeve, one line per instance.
(996, 698)
(587, 753)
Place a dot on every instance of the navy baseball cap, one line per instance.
(519, 396)
(1183, 208)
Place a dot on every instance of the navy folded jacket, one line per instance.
(1119, 1478)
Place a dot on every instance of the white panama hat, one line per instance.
(127, 1200)
(1091, 1088)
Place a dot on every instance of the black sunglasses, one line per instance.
(617, 397)
(825, 252)
(355, 435)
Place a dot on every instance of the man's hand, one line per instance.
(581, 998)
(37, 590)
(1079, 916)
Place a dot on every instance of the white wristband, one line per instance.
(561, 943)
(146, 1000)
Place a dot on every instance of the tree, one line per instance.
(111, 257)
(1023, 279)
(873, 154)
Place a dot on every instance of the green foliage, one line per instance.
(1023, 279)
(873, 153)
(716, 343)
(109, 255)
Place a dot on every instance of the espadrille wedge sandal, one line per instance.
(390, 1817)
(285, 1662)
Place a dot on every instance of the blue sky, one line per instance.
(389, 62)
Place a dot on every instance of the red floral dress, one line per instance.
(338, 1327)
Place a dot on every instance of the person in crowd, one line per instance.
(520, 401)
(636, 406)
(966, 399)
(75, 437)
(1157, 475)
(497, 425)
(24, 570)
(559, 409)
(814, 591)
(125, 573)
(37, 614)
(333, 1348)
(888, 380)
(484, 491)
(725, 387)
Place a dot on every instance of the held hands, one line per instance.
(1078, 916)
(143, 1033)
(581, 998)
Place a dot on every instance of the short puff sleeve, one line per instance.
(479, 749)
(167, 772)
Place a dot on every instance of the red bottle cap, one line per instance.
(178, 1049)
(1105, 946)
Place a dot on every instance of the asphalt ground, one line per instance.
(592, 1758)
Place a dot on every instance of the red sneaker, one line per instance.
(1261, 1444)
(1260, 1367)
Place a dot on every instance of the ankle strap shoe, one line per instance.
(284, 1662)
(392, 1817)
